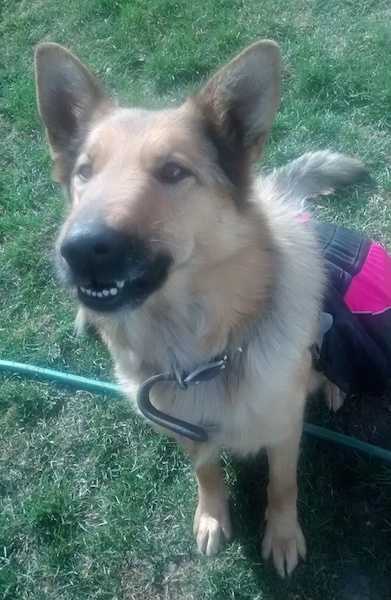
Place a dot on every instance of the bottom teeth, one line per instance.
(113, 291)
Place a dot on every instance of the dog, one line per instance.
(196, 271)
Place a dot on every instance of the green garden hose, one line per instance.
(94, 385)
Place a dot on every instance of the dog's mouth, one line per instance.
(112, 295)
(108, 268)
(103, 296)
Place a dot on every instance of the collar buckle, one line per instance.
(203, 373)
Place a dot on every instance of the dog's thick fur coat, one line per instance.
(180, 254)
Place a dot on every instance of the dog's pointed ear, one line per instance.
(241, 99)
(69, 98)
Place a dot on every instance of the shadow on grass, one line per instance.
(344, 508)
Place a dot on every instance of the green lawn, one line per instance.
(94, 505)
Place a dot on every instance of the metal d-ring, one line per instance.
(203, 373)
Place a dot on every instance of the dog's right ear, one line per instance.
(69, 98)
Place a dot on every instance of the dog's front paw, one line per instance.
(212, 524)
(285, 544)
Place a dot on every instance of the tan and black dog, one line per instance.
(182, 257)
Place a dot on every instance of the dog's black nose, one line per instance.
(94, 250)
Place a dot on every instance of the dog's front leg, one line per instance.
(212, 521)
(284, 540)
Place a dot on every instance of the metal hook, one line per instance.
(197, 434)
(202, 373)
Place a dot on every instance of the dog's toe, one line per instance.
(208, 535)
(284, 549)
(211, 527)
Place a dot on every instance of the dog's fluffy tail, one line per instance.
(318, 173)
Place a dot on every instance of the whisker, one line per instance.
(166, 243)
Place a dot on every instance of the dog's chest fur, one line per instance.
(268, 356)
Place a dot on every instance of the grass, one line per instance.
(93, 504)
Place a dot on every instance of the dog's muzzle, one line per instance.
(110, 268)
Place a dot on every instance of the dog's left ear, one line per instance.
(241, 99)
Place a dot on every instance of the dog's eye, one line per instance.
(171, 172)
(84, 172)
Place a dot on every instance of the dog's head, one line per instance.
(151, 191)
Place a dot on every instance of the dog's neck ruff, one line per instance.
(203, 373)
